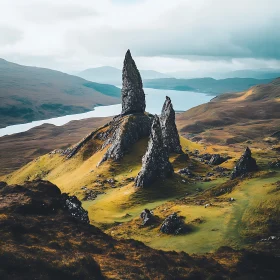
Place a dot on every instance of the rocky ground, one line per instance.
(45, 234)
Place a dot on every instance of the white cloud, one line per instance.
(164, 35)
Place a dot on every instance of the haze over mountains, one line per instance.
(32, 93)
(112, 75)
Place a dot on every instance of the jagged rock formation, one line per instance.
(123, 132)
(244, 165)
(133, 96)
(155, 163)
(170, 134)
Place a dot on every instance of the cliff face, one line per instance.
(169, 129)
(155, 163)
(133, 96)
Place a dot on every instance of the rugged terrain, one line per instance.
(214, 196)
(31, 93)
(46, 235)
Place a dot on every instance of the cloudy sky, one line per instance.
(164, 35)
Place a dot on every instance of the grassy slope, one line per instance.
(235, 118)
(224, 223)
(31, 93)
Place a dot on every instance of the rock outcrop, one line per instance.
(217, 159)
(133, 96)
(123, 132)
(173, 225)
(170, 134)
(244, 165)
(155, 163)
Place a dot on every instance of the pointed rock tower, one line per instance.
(170, 134)
(244, 165)
(133, 96)
(155, 163)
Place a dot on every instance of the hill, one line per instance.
(232, 118)
(31, 93)
(207, 85)
(112, 75)
(46, 235)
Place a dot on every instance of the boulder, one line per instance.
(133, 96)
(155, 163)
(244, 165)
(170, 134)
(172, 225)
(147, 217)
(217, 159)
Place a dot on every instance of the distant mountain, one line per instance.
(237, 117)
(32, 93)
(207, 85)
(253, 73)
(111, 75)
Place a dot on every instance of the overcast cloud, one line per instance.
(164, 35)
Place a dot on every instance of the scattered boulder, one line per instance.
(155, 163)
(75, 209)
(147, 217)
(186, 171)
(173, 225)
(275, 163)
(133, 96)
(244, 165)
(170, 134)
(217, 159)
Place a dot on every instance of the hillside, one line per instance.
(56, 242)
(18, 149)
(207, 85)
(31, 93)
(232, 118)
(111, 75)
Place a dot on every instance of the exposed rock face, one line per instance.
(244, 165)
(124, 131)
(133, 96)
(169, 130)
(155, 163)
(173, 225)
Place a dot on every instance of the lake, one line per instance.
(182, 101)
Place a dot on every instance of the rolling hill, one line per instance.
(233, 118)
(207, 85)
(112, 75)
(31, 93)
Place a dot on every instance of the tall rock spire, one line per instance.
(133, 96)
(155, 163)
(170, 134)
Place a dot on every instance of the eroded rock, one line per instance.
(133, 96)
(173, 225)
(170, 134)
(147, 217)
(155, 163)
(244, 165)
